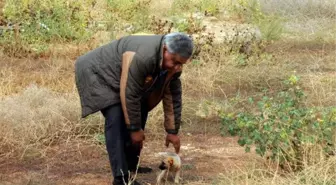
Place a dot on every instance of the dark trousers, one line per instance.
(122, 154)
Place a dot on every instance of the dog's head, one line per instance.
(166, 163)
(170, 161)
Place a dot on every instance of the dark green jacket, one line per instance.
(124, 71)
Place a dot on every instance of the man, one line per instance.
(126, 79)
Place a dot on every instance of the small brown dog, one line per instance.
(171, 163)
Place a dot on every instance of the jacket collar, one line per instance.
(161, 52)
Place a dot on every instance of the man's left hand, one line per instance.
(175, 140)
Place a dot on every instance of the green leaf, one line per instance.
(249, 141)
(267, 127)
(256, 136)
(259, 151)
(196, 62)
(251, 100)
(315, 125)
(283, 134)
(241, 124)
(242, 141)
(100, 138)
(232, 130)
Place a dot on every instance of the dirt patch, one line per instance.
(204, 158)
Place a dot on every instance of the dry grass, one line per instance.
(300, 8)
(55, 74)
(37, 118)
(255, 174)
(34, 118)
(306, 20)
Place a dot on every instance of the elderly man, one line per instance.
(126, 79)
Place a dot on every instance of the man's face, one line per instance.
(172, 62)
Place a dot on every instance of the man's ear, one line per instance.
(164, 48)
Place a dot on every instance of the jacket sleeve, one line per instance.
(172, 105)
(133, 73)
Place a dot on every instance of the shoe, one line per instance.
(142, 170)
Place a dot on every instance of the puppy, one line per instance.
(171, 163)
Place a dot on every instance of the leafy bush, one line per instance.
(128, 11)
(283, 128)
(209, 7)
(203, 41)
(179, 6)
(250, 11)
(34, 23)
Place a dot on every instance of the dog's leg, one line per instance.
(177, 177)
(160, 177)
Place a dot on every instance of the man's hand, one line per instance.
(175, 140)
(137, 138)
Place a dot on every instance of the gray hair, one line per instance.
(179, 43)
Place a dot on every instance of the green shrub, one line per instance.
(39, 22)
(270, 25)
(209, 7)
(190, 25)
(135, 13)
(283, 128)
(185, 6)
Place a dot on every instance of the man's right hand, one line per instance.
(175, 140)
(138, 137)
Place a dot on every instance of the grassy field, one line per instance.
(256, 47)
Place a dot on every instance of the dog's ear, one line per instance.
(170, 161)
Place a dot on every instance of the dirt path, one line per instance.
(204, 158)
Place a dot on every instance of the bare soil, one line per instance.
(203, 157)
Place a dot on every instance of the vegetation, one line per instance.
(284, 129)
(263, 71)
(31, 25)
